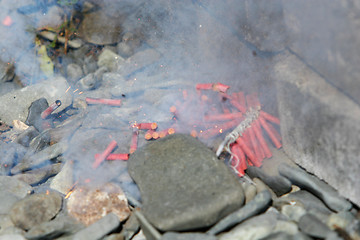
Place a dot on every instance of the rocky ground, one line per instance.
(171, 188)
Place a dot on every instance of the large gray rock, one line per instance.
(320, 126)
(35, 209)
(313, 29)
(15, 105)
(258, 22)
(183, 185)
(14, 186)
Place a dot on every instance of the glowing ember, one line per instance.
(7, 21)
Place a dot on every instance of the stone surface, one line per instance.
(7, 200)
(90, 204)
(257, 22)
(313, 31)
(258, 205)
(319, 125)
(53, 229)
(16, 187)
(64, 180)
(150, 232)
(312, 226)
(40, 157)
(73, 72)
(39, 175)
(314, 185)
(186, 236)
(99, 229)
(12, 237)
(179, 174)
(100, 29)
(109, 59)
(35, 209)
(10, 154)
(20, 100)
(138, 61)
(293, 212)
(255, 228)
(278, 184)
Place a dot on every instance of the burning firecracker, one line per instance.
(238, 116)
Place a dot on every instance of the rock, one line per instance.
(73, 72)
(328, 147)
(340, 220)
(12, 237)
(278, 184)
(64, 180)
(100, 29)
(11, 153)
(109, 59)
(250, 191)
(20, 100)
(326, 51)
(7, 200)
(39, 175)
(258, 205)
(99, 229)
(73, 43)
(26, 136)
(312, 226)
(16, 187)
(34, 115)
(293, 212)
(186, 236)
(43, 208)
(40, 157)
(261, 186)
(256, 22)
(149, 231)
(131, 227)
(306, 181)
(180, 174)
(138, 61)
(130, 42)
(90, 204)
(53, 229)
(5, 222)
(89, 82)
(255, 228)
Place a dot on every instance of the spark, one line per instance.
(68, 89)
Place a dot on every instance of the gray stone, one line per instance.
(258, 205)
(52, 229)
(293, 212)
(26, 136)
(278, 184)
(98, 229)
(186, 236)
(35, 209)
(335, 56)
(12, 237)
(320, 126)
(64, 180)
(138, 61)
(178, 174)
(312, 226)
(7, 200)
(149, 230)
(20, 100)
(5, 222)
(255, 228)
(89, 82)
(340, 220)
(306, 181)
(10, 154)
(250, 191)
(109, 59)
(40, 157)
(131, 227)
(16, 187)
(34, 115)
(73, 72)
(39, 175)
(261, 186)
